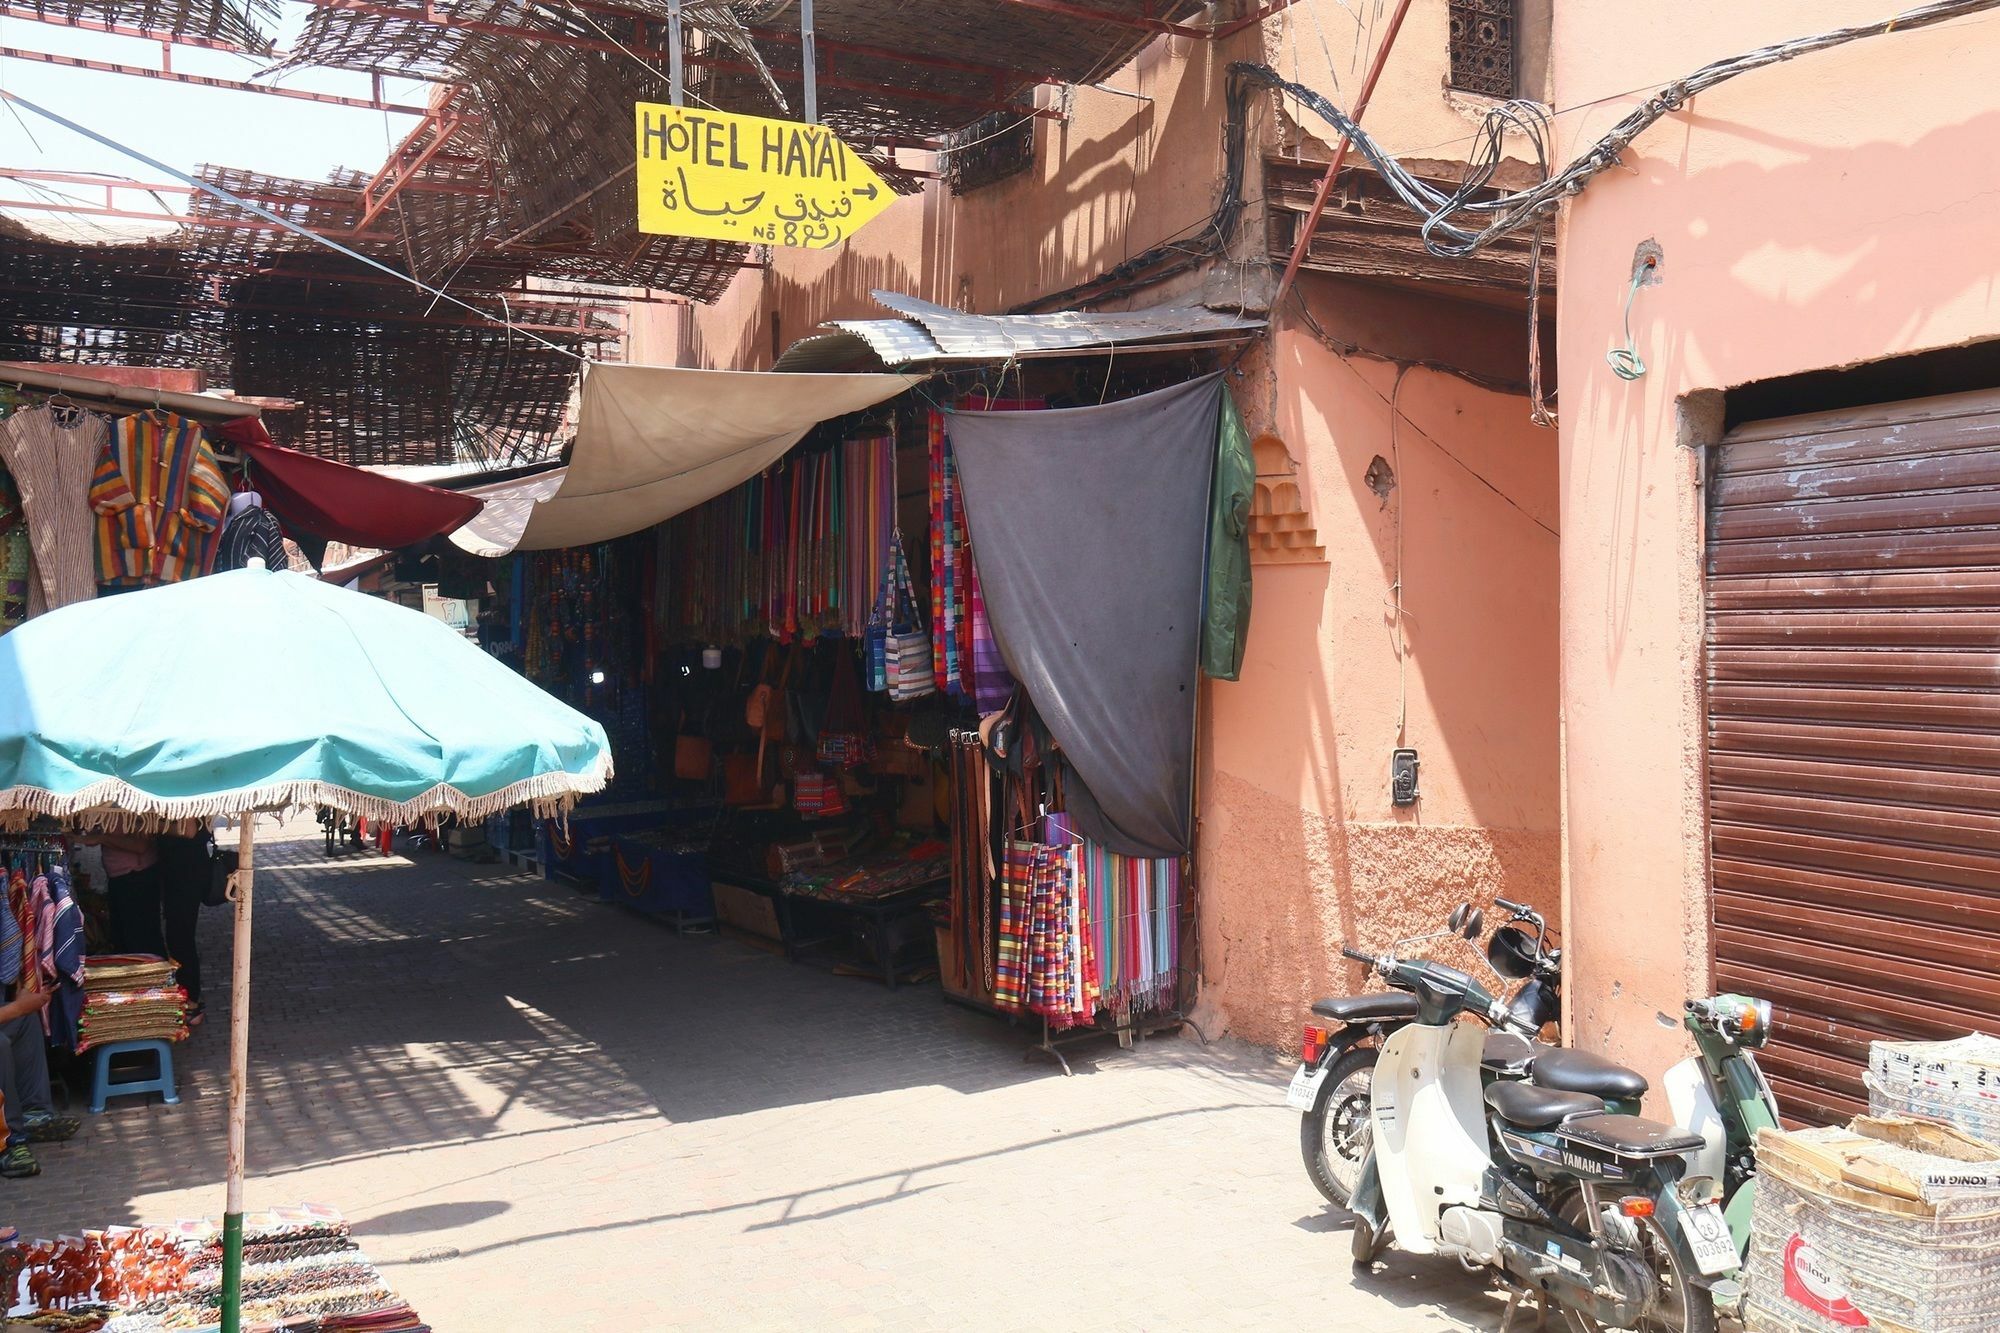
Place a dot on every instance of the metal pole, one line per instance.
(809, 61)
(1339, 155)
(239, 1079)
(676, 79)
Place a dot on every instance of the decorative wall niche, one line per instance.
(1281, 530)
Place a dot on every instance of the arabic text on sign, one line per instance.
(750, 179)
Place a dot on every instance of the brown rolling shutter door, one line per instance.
(1853, 599)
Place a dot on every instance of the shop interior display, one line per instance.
(821, 748)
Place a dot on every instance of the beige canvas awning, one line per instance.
(654, 441)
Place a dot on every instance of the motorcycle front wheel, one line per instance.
(1678, 1307)
(1335, 1135)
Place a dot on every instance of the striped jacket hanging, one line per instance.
(158, 494)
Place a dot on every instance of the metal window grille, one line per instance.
(1482, 46)
(995, 147)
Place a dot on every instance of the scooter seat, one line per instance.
(1567, 1069)
(1506, 1053)
(1631, 1136)
(1387, 1006)
(1530, 1107)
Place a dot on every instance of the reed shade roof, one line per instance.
(529, 185)
(376, 383)
(1032, 44)
(245, 23)
(560, 117)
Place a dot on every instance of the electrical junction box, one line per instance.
(1402, 777)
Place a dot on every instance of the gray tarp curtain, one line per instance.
(1092, 528)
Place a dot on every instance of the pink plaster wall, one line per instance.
(1302, 847)
(1833, 210)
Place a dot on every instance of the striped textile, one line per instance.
(1063, 980)
(1134, 907)
(992, 682)
(158, 494)
(1010, 947)
(950, 558)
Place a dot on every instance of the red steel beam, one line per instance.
(581, 329)
(334, 197)
(423, 143)
(206, 81)
(138, 215)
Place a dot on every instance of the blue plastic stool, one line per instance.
(102, 1088)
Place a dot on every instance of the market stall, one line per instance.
(852, 732)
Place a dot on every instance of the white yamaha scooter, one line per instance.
(1596, 1212)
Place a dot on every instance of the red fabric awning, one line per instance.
(339, 503)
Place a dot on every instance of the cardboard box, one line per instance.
(1891, 1224)
(748, 915)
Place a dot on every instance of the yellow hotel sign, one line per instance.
(727, 177)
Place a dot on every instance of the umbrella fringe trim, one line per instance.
(117, 806)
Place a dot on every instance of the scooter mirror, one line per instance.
(1474, 926)
(1666, 1020)
(1455, 923)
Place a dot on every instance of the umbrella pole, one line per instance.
(239, 1079)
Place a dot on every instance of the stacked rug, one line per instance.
(130, 997)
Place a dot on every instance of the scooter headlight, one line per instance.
(1751, 1024)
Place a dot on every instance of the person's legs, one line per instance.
(10, 1097)
(18, 1091)
(135, 912)
(184, 878)
(30, 1110)
(182, 902)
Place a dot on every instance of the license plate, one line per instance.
(1305, 1088)
(1708, 1237)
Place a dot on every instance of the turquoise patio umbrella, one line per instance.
(256, 690)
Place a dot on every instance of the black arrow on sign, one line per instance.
(868, 193)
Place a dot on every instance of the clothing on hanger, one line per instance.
(53, 452)
(251, 533)
(159, 493)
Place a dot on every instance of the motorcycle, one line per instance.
(1721, 1094)
(1602, 1214)
(1336, 1069)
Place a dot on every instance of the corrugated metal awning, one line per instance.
(932, 334)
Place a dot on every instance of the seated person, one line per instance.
(24, 1085)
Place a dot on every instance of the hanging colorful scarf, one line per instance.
(950, 557)
(1063, 980)
(1134, 906)
(1010, 946)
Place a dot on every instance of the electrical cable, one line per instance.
(1626, 363)
(1534, 207)
(258, 210)
(1457, 224)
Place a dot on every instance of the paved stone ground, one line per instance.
(543, 1112)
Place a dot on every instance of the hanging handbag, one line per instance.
(741, 785)
(906, 644)
(694, 755)
(221, 865)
